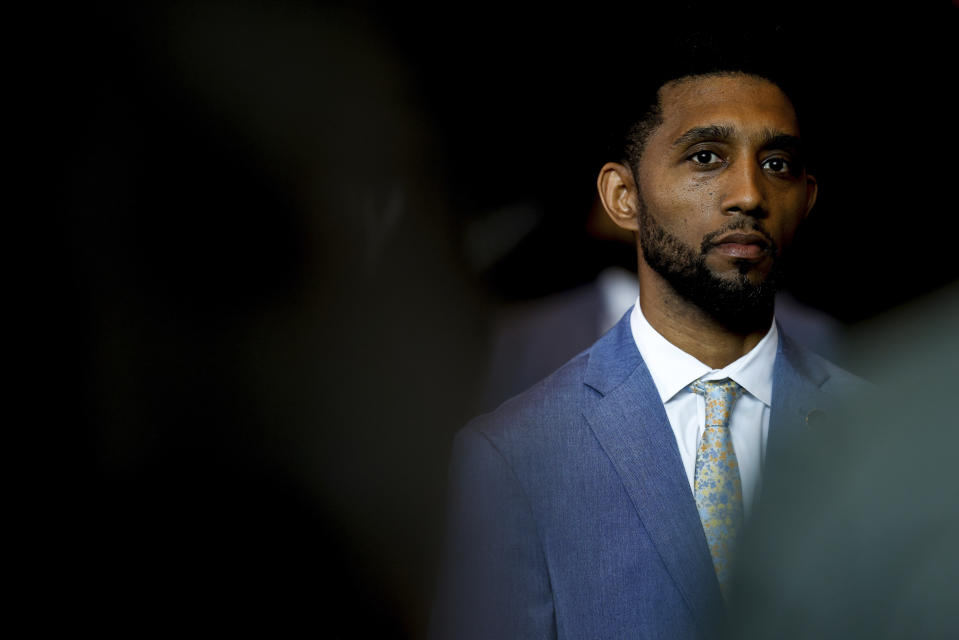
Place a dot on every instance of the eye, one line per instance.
(705, 157)
(777, 165)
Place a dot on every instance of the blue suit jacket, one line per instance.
(571, 515)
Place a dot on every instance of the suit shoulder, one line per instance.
(839, 381)
(562, 388)
(549, 401)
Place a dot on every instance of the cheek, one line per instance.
(698, 190)
(690, 196)
(699, 201)
(685, 207)
(792, 213)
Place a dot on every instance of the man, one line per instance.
(605, 501)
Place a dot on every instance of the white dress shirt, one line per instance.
(673, 370)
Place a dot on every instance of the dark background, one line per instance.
(274, 235)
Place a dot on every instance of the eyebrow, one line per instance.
(701, 134)
(776, 140)
(770, 139)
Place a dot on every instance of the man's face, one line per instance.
(721, 191)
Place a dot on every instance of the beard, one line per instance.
(733, 300)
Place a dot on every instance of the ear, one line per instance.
(617, 191)
(812, 190)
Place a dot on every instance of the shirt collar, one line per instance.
(672, 369)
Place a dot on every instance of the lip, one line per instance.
(749, 246)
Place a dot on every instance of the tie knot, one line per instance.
(720, 396)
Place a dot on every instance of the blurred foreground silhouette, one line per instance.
(857, 536)
(275, 332)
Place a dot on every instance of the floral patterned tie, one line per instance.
(718, 489)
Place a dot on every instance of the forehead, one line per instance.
(747, 104)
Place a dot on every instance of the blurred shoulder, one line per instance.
(835, 379)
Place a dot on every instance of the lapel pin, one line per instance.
(815, 418)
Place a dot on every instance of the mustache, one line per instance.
(740, 224)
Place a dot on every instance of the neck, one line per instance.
(693, 330)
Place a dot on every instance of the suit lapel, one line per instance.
(627, 416)
(797, 397)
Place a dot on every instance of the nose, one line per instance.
(744, 191)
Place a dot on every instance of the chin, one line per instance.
(744, 276)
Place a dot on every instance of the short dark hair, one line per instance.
(697, 55)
